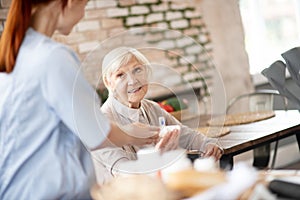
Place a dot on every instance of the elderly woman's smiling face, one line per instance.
(130, 83)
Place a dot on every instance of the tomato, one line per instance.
(167, 108)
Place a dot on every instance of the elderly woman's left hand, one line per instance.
(169, 141)
(212, 150)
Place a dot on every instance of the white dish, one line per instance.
(151, 162)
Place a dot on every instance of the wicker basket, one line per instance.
(179, 114)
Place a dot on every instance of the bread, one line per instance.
(190, 182)
(133, 187)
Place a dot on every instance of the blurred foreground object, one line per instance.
(190, 182)
(134, 187)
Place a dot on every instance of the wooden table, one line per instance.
(249, 136)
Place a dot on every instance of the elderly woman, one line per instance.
(125, 72)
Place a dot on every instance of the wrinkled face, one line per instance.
(71, 15)
(130, 83)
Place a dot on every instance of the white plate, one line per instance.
(151, 162)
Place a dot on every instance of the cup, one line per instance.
(194, 154)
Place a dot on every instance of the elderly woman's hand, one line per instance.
(141, 134)
(132, 134)
(169, 141)
(212, 150)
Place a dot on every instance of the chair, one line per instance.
(292, 60)
(276, 77)
(258, 101)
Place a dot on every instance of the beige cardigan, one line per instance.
(106, 160)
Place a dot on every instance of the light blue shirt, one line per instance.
(47, 110)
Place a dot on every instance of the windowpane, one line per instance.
(271, 28)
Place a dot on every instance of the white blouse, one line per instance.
(48, 112)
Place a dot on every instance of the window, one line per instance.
(271, 28)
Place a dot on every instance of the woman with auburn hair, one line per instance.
(49, 114)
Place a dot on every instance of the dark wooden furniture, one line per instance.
(249, 136)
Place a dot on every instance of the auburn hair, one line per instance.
(17, 22)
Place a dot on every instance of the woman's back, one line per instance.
(41, 157)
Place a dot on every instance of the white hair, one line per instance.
(121, 56)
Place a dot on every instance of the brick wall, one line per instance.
(104, 19)
(4, 5)
(187, 32)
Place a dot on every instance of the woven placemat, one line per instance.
(240, 118)
(214, 131)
